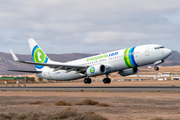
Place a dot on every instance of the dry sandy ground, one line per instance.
(127, 106)
(100, 83)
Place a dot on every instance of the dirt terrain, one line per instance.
(100, 83)
(123, 105)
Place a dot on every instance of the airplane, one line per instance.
(125, 62)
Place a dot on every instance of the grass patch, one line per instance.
(65, 114)
(87, 102)
(63, 103)
(70, 109)
(159, 118)
(89, 113)
(103, 104)
(126, 105)
(36, 103)
(91, 102)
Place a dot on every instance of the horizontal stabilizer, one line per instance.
(26, 71)
(14, 56)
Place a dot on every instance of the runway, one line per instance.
(96, 88)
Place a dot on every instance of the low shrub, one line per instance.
(36, 103)
(103, 104)
(126, 105)
(91, 102)
(89, 113)
(65, 114)
(159, 118)
(63, 103)
(87, 102)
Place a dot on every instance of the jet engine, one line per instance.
(96, 70)
(127, 72)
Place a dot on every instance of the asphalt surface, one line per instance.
(96, 88)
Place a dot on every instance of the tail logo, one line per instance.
(129, 57)
(39, 56)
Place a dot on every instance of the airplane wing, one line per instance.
(26, 71)
(59, 66)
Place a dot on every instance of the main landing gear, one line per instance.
(87, 80)
(106, 80)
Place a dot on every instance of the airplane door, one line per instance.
(147, 51)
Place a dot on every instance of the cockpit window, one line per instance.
(160, 47)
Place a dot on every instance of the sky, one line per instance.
(88, 26)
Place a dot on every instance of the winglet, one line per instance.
(14, 56)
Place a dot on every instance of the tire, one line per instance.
(105, 80)
(109, 80)
(85, 80)
(156, 68)
(89, 81)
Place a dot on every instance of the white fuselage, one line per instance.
(114, 61)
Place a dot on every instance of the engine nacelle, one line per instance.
(127, 72)
(96, 70)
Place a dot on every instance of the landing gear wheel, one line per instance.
(109, 80)
(87, 81)
(156, 68)
(106, 80)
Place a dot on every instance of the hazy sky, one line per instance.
(88, 26)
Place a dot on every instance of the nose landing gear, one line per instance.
(156, 68)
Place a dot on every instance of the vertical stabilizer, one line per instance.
(38, 54)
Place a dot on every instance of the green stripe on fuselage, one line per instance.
(126, 58)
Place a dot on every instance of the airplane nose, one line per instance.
(168, 52)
